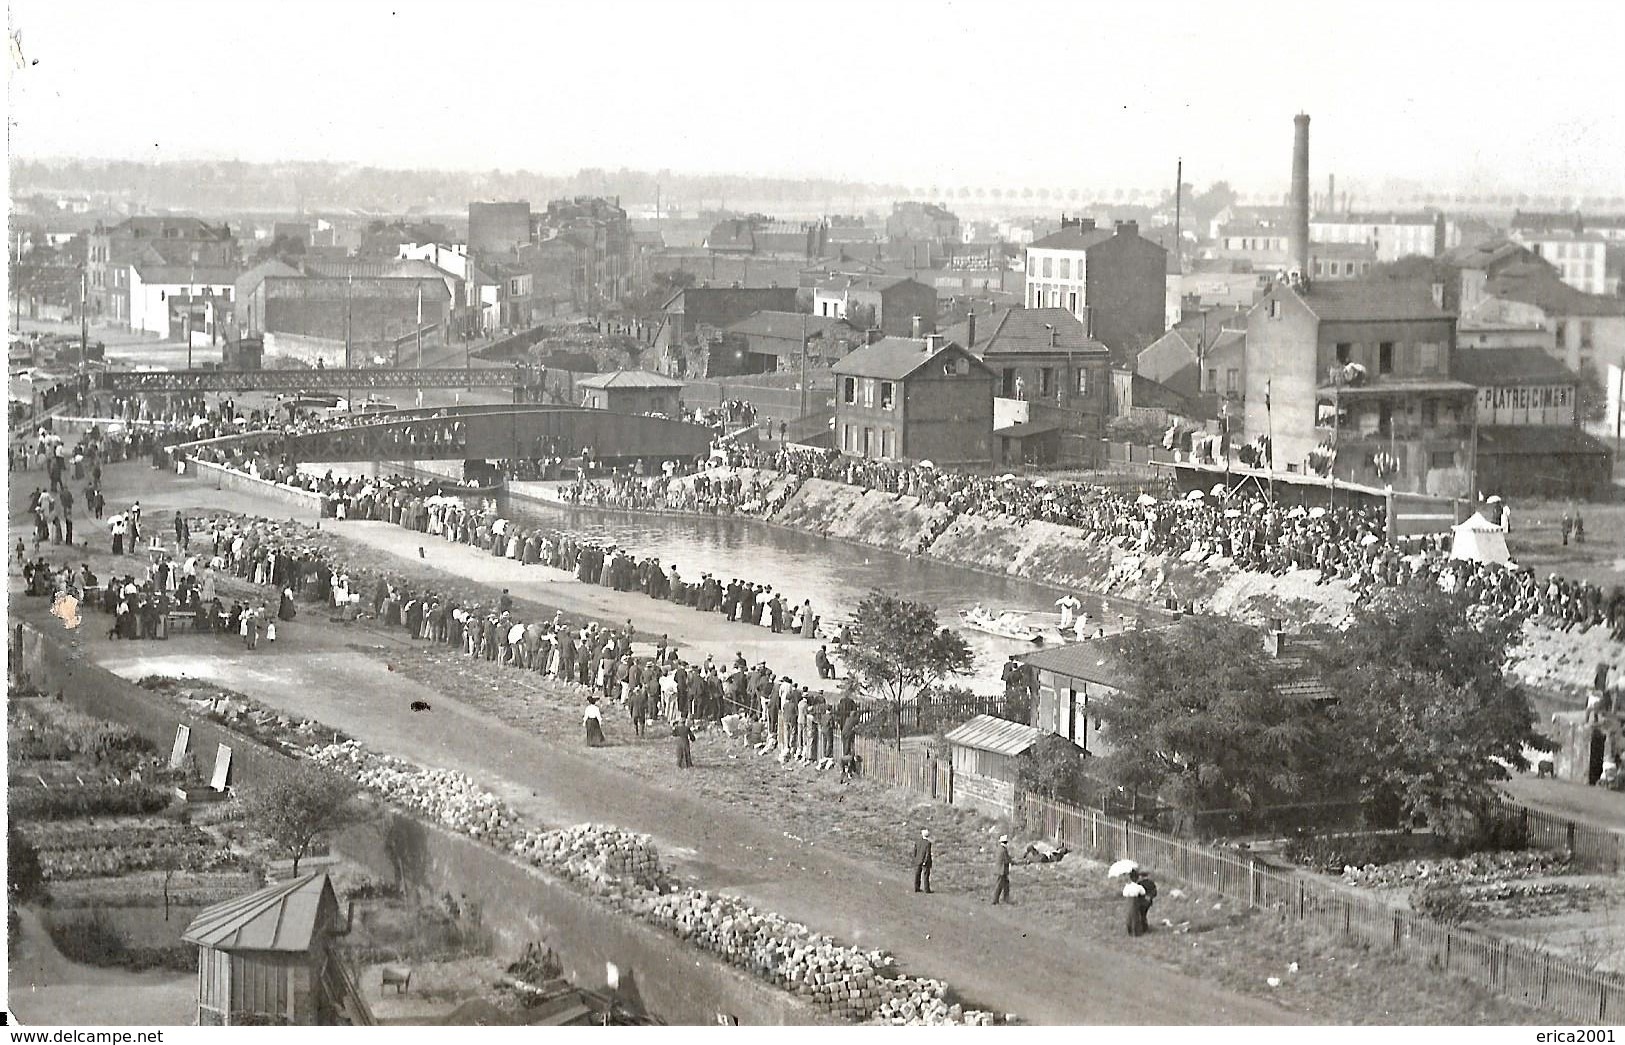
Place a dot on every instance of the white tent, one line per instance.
(1480, 540)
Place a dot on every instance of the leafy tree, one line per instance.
(860, 316)
(1427, 720)
(1053, 767)
(1202, 723)
(899, 651)
(296, 804)
(1591, 398)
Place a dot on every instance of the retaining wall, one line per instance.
(519, 903)
(222, 478)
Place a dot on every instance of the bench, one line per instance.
(174, 618)
(398, 977)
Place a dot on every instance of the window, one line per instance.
(1082, 383)
(1232, 381)
(1212, 379)
(1385, 357)
(887, 397)
(1009, 383)
(1562, 333)
(849, 391)
(1427, 358)
(869, 393)
(1442, 459)
(846, 437)
(951, 368)
(1046, 381)
(1430, 413)
(1586, 333)
(1344, 351)
(888, 442)
(1275, 308)
(1072, 302)
(1049, 267)
(1066, 268)
(1348, 268)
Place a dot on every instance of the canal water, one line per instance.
(833, 574)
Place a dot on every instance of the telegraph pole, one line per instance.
(804, 364)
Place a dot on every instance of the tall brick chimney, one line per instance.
(1298, 253)
(970, 328)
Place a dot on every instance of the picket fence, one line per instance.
(1510, 968)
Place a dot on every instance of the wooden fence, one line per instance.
(1513, 969)
(1510, 968)
(1590, 848)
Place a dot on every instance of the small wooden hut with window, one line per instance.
(268, 959)
(986, 754)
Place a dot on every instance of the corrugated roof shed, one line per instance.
(280, 917)
(629, 379)
(1000, 736)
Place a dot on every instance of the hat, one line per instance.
(1003, 839)
(925, 833)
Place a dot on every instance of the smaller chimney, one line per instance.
(915, 328)
(873, 334)
(1275, 642)
(970, 329)
(933, 343)
(1086, 224)
(1128, 228)
(1438, 295)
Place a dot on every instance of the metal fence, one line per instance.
(1589, 848)
(1510, 968)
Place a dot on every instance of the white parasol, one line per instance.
(1370, 539)
(1007, 477)
(1040, 482)
(1316, 512)
(1121, 868)
(1493, 498)
(927, 464)
(1145, 499)
(1297, 512)
(1194, 495)
(1256, 506)
(1218, 488)
(1232, 513)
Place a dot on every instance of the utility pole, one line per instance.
(349, 337)
(804, 364)
(1179, 196)
(191, 296)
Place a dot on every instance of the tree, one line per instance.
(900, 651)
(860, 316)
(1426, 716)
(1053, 767)
(1591, 398)
(296, 804)
(1202, 721)
(25, 878)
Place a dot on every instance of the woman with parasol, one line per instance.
(1138, 893)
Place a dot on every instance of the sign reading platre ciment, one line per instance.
(183, 740)
(222, 768)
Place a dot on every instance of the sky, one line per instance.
(1003, 92)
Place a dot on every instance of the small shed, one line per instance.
(632, 392)
(986, 754)
(267, 958)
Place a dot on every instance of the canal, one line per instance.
(833, 574)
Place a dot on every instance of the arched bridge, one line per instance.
(483, 433)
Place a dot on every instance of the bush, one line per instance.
(1052, 768)
(25, 878)
(1329, 854)
(89, 939)
(1442, 901)
(67, 803)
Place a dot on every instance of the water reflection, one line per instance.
(834, 574)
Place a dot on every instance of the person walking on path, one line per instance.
(685, 743)
(1138, 903)
(922, 861)
(1001, 865)
(593, 720)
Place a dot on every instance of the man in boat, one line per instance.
(1069, 605)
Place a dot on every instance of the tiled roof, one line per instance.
(1370, 300)
(1544, 290)
(1376, 218)
(1073, 239)
(843, 283)
(184, 274)
(629, 379)
(894, 358)
(1489, 367)
(1098, 661)
(1486, 255)
(1539, 439)
(280, 917)
(1000, 736)
(1026, 330)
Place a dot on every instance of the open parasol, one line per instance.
(927, 464)
(1194, 495)
(1007, 477)
(1040, 482)
(1316, 512)
(1218, 488)
(1121, 868)
(1145, 499)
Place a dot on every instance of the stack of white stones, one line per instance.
(625, 869)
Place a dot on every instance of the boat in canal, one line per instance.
(1008, 625)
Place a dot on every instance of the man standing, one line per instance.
(1001, 864)
(922, 861)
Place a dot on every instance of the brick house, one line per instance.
(895, 302)
(1116, 283)
(915, 399)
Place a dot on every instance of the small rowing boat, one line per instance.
(1008, 625)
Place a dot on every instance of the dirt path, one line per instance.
(43, 987)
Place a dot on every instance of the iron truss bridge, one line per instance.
(336, 379)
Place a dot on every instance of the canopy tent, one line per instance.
(1479, 540)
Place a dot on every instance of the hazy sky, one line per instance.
(962, 93)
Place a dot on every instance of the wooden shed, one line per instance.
(268, 958)
(986, 753)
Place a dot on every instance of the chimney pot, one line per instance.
(933, 343)
(970, 328)
(915, 327)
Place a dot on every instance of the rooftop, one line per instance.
(1539, 439)
(1490, 367)
(787, 325)
(1000, 736)
(1026, 330)
(1374, 300)
(895, 358)
(183, 275)
(1544, 290)
(280, 917)
(1418, 217)
(629, 379)
(1073, 238)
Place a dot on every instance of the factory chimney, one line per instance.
(1298, 258)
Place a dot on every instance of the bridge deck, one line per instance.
(336, 379)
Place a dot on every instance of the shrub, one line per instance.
(1329, 854)
(25, 878)
(67, 803)
(1442, 901)
(88, 939)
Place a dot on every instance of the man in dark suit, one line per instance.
(1001, 864)
(922, 861)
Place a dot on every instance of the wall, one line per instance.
(222, 478)
(311, 350)
(680, 983)
(948, 420)
(1281, 360)
(996, 798)
(1127, 291)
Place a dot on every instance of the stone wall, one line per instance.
(996, 798)
(517, 902)
(222, 478)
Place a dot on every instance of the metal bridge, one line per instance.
(336, 379)
(483, 433)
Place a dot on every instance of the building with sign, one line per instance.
(1530, 443)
